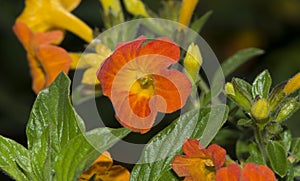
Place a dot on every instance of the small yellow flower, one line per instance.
(186, 12)
(45, 15)
(136, 7)
(91, 62)
(193, 61)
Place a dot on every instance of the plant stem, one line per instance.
(202, 85)
(260, 142)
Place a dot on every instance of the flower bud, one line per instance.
(288, 109)
(238, 94)
(136, 7)
(193, 61)
(260, 110)
(292, 85)
(113, 13)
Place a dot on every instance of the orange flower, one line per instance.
(137, 80)
(198, 163)
(250, 172)
(46, 61)
(103, 169)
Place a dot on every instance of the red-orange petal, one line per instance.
(193, 148)
(230, 173)
(23, 33)
(53, 61)
(124, 53)
(174, 87)
(52, 37)
(37, 74)
(218, 154)
(163, 47)
(253, 172)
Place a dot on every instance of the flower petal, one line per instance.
(23, 33)
(230, 173)
(163, 47)
(124, 53)
(70, 5)
(53, 61)
(218, 154)
(193, 168)
(53, 37)
(192, 147)
(37, 74)
(255, 172)
(174, 87)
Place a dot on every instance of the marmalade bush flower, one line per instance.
(45, 15)
(137, 80)
(250, 172)
(103, 169)
(199, 163)
(46, 61)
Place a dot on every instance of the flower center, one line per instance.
(145, 81)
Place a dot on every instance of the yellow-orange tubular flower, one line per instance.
(45, 15)
(186, 12)
(103, 169)
(137, 80)
(45, 59)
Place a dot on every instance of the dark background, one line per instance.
(273, 25)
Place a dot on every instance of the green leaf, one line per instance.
(290, 173)
(295, 148)
(261, 85)
(255, 154)
(297, 171)
(242, 56)
(278, 158)
(52, 124)
(83, 93)
(15, 160)
(286, 140)
(198, 24)
(157, 156)
(82, 150)
(245, 122)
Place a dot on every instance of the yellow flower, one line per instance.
(91, 62)
(103, 169)
(186, 12)
(136, 7)
(45, 15)
(193, 61)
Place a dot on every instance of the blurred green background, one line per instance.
(273, 25)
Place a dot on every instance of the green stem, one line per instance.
(202, 85)
(260, 142)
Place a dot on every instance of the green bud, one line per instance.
(276, 97)
(288, 109)
(112, 12)
(260, 110)
(239, 94)
(193, 61)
